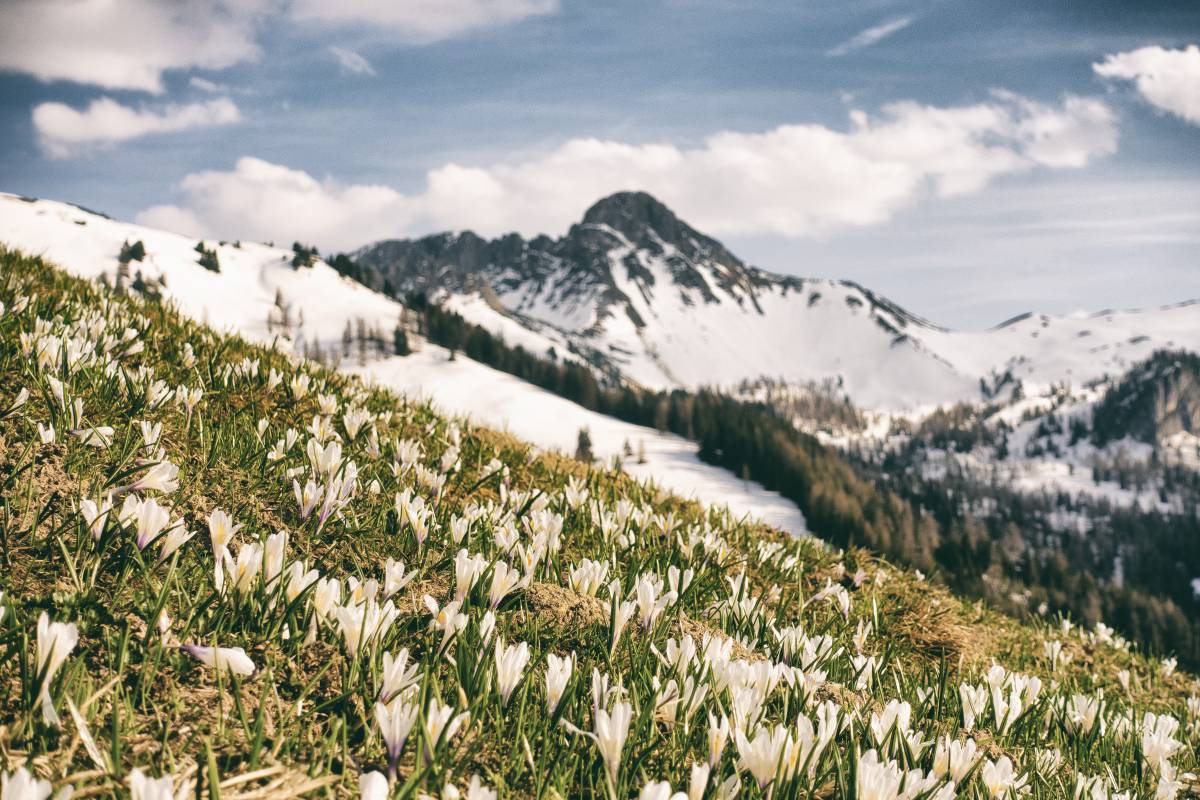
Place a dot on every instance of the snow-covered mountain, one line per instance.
(256, 283)
(635, 288)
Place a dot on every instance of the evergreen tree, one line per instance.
(303, 256)
(131, 252)
(208, 258)
(400, 342)
(583, 447)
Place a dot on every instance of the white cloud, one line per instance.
(794, 180)
(424, 20)
(351, 62)
(130, 44)
(870, 36)
(260, 201)
(124, 44)
(1167, 79)
(64, 131)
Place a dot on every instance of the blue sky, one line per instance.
(971, 160)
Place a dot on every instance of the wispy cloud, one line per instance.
(351, 62)
(872, 35)
(422, 20)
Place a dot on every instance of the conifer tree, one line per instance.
(400, 342)
(583, 447)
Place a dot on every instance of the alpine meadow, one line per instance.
(636, 400)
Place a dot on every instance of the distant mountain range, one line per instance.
(638, 291)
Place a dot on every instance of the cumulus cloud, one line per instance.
(424, 20)
(793, 180)
(124, 44)
(870, 36)
(1167, 79)
(64, 131)
(350, 61)
(262, 201)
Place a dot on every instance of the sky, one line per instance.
(969, 160)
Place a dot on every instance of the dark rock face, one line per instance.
(620, 232)
(1158, 398)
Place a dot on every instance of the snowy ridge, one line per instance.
(242, 296)
(671, 308)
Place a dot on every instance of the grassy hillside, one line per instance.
(247, 577)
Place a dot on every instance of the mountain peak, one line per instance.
(631, 213)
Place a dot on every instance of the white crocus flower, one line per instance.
(1000, 778)
(660, 791)
(274, 553)
(299, 580)
(299, 386)
(953, 759)
(55, 641)
(698, 781)
(398, 675)
(650, 603)
(611, 729)
(326, 596)
(448, 619)
(364, 623)
(718, 735)
(487, 626)
(395, 578)
(558, 675)
(510, 665)
(441, 724)
(459, 528)
(176, 538)
(1159, 744)
(152, 521)
(230, 659)
(162, 477)
(243, 571)
(221, 531)
(22, 785)
(467, 569)
(373, 786)
(763, 754)
(396, 720)
(588, 577)
(1082, 712)
(309, 497)
(504, 580)
(974, 703)
(95, 514)
(143, 787)
(46, 434)
(477, 790)
(877, 780)
(100, 436)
